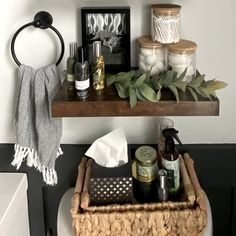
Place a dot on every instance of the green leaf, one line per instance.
(193, 93)
(197, 81)
(124, 76)
(159, 95)
(203, 92)
(138, 73)
(121, 90)
(216, 85)
(148, 93)
(132, 97)
(139, 95)
(207, 83)
(174, 91)
(182, 75)
(180, 85)
(148, 77)
(168, 78)
(110, 79)
(140, 80)
(155, 84)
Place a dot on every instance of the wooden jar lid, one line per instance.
(146, 42)
(166, 9)
(183, 45)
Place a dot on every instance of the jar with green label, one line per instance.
(146, 163)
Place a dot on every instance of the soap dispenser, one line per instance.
(170, 161)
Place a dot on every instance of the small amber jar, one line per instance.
(146, 163)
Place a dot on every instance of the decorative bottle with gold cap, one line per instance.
(98, 67)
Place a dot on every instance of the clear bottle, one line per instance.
(98, 67)
(70, 66)
(181, 56)
(82, 82)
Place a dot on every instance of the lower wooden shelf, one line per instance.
(108, 103)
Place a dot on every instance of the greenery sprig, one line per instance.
(138, 85)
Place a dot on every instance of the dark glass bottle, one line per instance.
(70, 66)
(82, 82)
(170, 161)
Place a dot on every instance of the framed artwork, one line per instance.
(111, 26)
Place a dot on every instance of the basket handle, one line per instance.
(85, 197)
(75, 201)
(188, 187)
(200, 195)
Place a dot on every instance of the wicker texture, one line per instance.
(187, 217)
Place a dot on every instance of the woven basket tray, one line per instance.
(186, 217)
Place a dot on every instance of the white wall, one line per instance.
(211, 24)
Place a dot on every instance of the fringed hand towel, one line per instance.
(38, 134)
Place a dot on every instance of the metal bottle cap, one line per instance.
(162, 189)
(73, 49)
(97, 48)
(162, 176)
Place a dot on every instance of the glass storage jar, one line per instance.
(182, 55)
(165, 23)
(152, 55)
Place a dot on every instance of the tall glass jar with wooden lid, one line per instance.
(181, 56)
(165, 23)
(151, 56)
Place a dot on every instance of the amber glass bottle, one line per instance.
(98, 67)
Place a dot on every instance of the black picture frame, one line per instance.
(111, 26)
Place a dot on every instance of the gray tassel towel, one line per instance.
(37, 133)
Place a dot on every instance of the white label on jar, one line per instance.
(172, 169)
(81, 85)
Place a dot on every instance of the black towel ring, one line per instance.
(42, 20)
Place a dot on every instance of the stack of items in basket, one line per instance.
(187, 216)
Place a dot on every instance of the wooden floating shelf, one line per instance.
(108, 103)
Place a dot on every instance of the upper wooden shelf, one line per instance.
(108, 103)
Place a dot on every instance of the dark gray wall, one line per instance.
(214, 164)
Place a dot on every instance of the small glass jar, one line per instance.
(146, 163)
(152, 55)
(182, 55)
(165, 23)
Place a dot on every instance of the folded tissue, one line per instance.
(110, 150)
